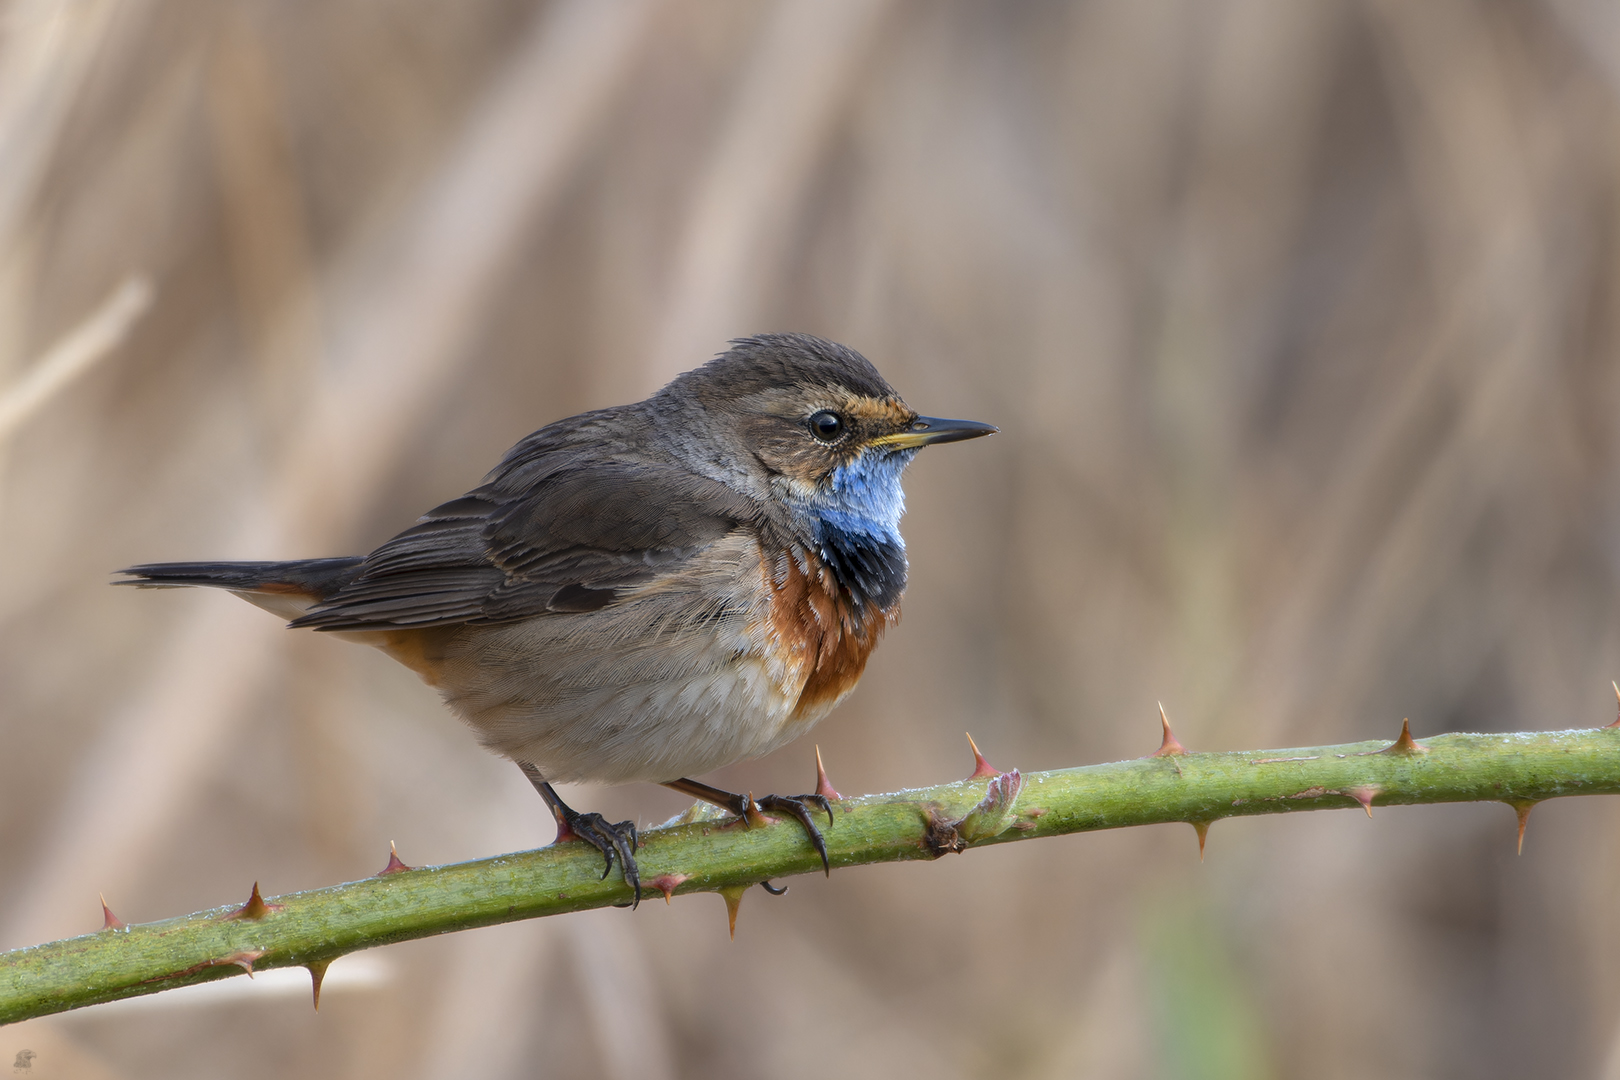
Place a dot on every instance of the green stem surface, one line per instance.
(709, 855)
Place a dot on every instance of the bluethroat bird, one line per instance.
(646, 592)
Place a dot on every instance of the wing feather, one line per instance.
(544, 533)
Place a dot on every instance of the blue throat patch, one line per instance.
(857, 526)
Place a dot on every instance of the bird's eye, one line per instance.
(827, 425)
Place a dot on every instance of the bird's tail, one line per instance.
(287, 589)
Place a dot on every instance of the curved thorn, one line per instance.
(1405, 744)
(109, 921)
(1523, 810)
(256, 907)
(733, 896)
(244, 959)
(772, 889)
(753, 814)
(396, 865)
(668, 883)
(824, 786)
(317, 972)
(981, 768)
(1170, 745)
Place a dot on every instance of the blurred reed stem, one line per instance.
(705, 855)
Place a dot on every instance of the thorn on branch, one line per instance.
(1404, 745)
(824, 786)
(753, 816)
(317, 973)
(1170, 745)
(244, 959)
(668, 883)
(1202, 829)
(772, 889)
(395, 864)
(1364, 796)
(733, 895)
(1522, 808)
(1616, 723)
(255, 908)
(981, 768)
(109, 921)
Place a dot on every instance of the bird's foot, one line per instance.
(798, 806)
(612, 840)
(752, 812)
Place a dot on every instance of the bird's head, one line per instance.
(809, 423)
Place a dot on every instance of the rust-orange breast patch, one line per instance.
(816, 624)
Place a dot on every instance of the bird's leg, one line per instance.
(797, 806)
(594, 829)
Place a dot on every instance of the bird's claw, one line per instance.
(798, 806)
(611, 839)
(594, 829)
(750, 813)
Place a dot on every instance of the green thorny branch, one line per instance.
(704, 851)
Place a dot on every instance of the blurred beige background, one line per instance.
(1300, 322)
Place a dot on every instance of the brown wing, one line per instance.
(543, 534)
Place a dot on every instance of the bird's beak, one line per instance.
(931, 429)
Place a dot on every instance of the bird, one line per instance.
(647, 592)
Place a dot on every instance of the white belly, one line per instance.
(675, 682)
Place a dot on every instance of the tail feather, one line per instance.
(306, 580)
